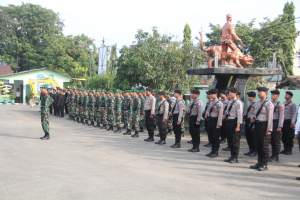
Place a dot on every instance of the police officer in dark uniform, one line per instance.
(194, 112)
(249, 125)
(178, 112)
(234, 119)
(214, 123)
(263, 118)
(288, 130)
(278, 119)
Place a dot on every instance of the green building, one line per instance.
(27, 84)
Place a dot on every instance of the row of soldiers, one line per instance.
(265, 122)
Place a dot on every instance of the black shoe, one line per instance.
(149, 140)
(274, 158)
(283, 152)
(128, 132)
(298, 178)
(298, 165)
(208, 155)
(158, 142)
(175, 146)
(253, 154)
(229, 160)
(135, 135)
(222, 141)
(262, 168)
(193, 150)
(248, 153)
(157, 135)
(213, 155)
(46, 137)
(208, 145)
(288, 153)
(190, 142)
(226, 149)
(163, 142)
(256, 166)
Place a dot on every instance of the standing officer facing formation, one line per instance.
(162, 118)
(46, 101)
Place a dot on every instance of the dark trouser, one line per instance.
(262, 142)
(288, 135)
(214, 133)
(66, 108)
(150, 123)
(55, 108)
(206, 129)
(233, 137)
(249, 131)
(162, 127)
(194, 131)
(223, 131)
(51, 109)
(60, 111)
(275, 139)
(177, 129)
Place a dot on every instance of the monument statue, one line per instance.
(228, 52)
(233, 70)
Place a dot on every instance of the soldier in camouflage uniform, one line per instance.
(118, 111)
(103, 110)
(91, 109)
(85, 108)
(46, 101)
(136, 111)
(97, 109)
(81, 107)
(110, 112)
(127, 113)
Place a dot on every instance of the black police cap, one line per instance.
(251, 94)
(276, 92)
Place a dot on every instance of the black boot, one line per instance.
(176, 145)
(136, 134)
(46, 137)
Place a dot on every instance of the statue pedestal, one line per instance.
(228, 76)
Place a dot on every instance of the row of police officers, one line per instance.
(265, 121)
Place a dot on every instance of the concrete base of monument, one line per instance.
(230, 76)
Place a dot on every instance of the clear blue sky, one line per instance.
(118, 20)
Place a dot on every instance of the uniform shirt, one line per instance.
(216, 110)
(206, 110)
(297, 127)
(163, 109)
(179, 108)
(196, 109)
(290, 111)
(278, 113)
(234, 110)
(225, 105)
(250, 112)
(150, 103)
(266, 113)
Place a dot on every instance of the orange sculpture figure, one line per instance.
(228, 52)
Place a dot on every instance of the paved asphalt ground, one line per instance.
(85, 163)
